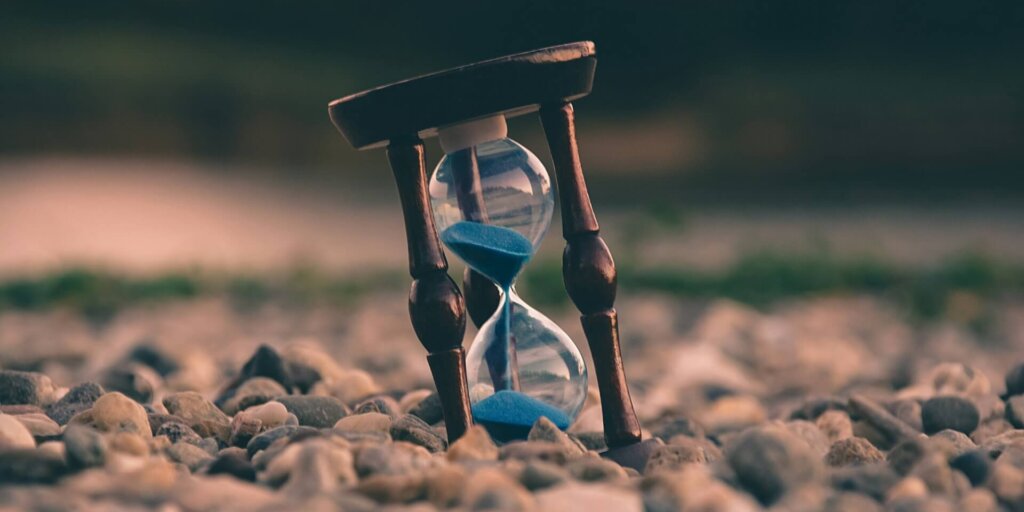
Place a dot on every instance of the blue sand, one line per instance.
(512, 408)
(496, 252)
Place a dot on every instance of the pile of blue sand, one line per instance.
(509, 415)
(496, 252)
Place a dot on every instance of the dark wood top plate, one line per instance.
(512, 85)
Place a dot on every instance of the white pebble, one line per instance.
(13, 434)
(272, 413)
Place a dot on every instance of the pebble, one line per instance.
(414, 430)
(909, 488)
(199, 414)
(234, 462)
(537, 474)
(493, 489)
(77, 399)
(380, 404)
(476, 444)
(1015, 411)
(954, 442)
(813, 407)
(545, 430)
(319, 466)
(177, 431)
(397, 458)
(533, 450)
(84, 447)
(130, 443)
(411, 399)
(155, 358)
(909, 412)
(267, 438)
(444, 485)
(39, 424)
(835, 424)
(315, 411)
(733, 413)
(14, 435)
(595, 469)
(366, 422)
(136, 381)
(810, 434)
(680, 452)
(254, 391)
(114, 412)
(979, 500)
(852, 450)
(271, 414)
(949, 411)
(892, 428)
(1015, 381)
(266, 362)
(873, 480)
(244, 427)
(192, 456)
(351, 386)
(905, 455)
(769, 461)
(27, 466)
(672, 426)
(975, 465)
(29, 388)
(589, 497)
(429, 409)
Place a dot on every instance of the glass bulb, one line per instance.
(511, 189)
(537, 372)
(493, 202)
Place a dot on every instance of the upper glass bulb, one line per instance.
(492, 181)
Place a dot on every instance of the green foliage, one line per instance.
(759, 279)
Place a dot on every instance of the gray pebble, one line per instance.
(267, 438)
(544, 430)
(873, 480)
(975, 465)
(30, 388)
(190, 455)
(538, 474)
(315, 411)
(429, 409)
(414, 430)
(769, 462)
(952, 412)
(76, 400)
(1015, 411)
(383, 404)
(234, 462)
(25, 466)
(136, 381)
(85, 447)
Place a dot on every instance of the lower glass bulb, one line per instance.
(520, 367)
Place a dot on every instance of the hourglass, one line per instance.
(490, 201)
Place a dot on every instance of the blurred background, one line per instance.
(734, 148)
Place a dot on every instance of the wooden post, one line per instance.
(436, 306)
(589, 274)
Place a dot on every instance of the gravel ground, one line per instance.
(831, 403)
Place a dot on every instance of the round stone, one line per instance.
(852, 450)
(950, 411)
(114, 412)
